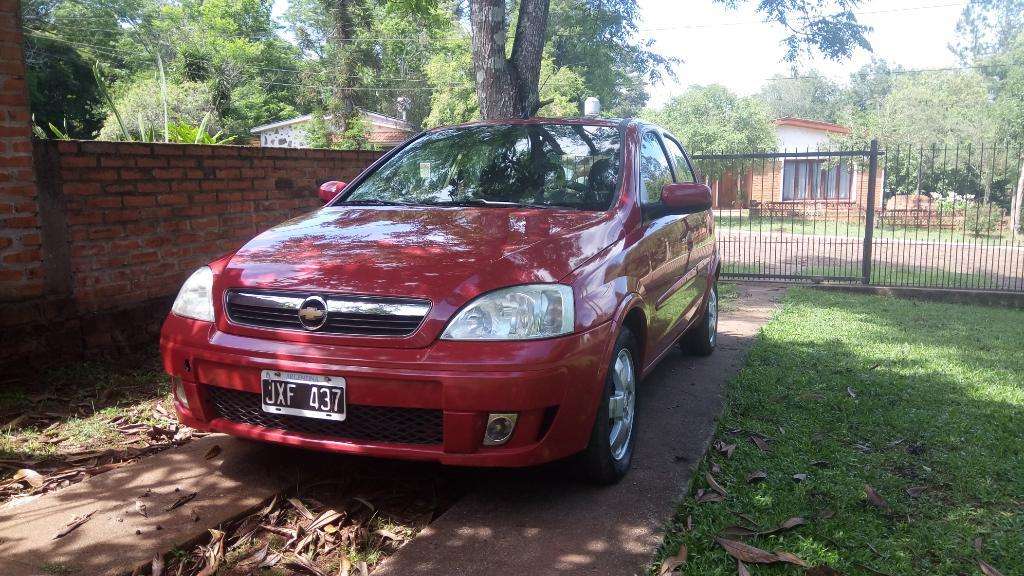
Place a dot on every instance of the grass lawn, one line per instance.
(923, 402)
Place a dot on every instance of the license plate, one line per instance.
(309, 395)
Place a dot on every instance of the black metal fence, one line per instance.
(927, 216)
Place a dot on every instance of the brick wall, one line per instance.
(123, 224)
(21, 270)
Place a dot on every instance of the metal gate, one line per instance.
(938, 217)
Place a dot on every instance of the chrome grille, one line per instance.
(346, 315)
(374, 423)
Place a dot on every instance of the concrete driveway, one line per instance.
(536, 522)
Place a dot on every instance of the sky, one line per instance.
(738, 49)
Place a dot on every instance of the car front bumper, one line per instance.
(553, 385)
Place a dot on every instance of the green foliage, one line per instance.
(930, 108)
(187, 102)
(450, 74)
(599, 41)
(711, 119)
(1006, 77)
(813, 97)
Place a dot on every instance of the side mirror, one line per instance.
(328, 190)
(686, 197)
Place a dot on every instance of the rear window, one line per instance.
(545, 165)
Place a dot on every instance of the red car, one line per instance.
(484, 295)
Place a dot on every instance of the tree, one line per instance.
(713, 120)
(812, 96)
(507, 85)
(598, 40)
(987, 27)
(931, 108)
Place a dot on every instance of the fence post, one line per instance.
(869, 220)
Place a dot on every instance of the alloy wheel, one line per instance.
(622, 404)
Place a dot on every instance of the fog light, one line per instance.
(178, 388)
(499, 428)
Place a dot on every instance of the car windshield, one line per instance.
(542, 165)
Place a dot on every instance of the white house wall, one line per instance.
(290, 136)
(798, 138)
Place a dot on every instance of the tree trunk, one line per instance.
(344, 29)
(1018, 203)
(507, 87)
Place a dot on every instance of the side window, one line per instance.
(683, 171)
(655, 172)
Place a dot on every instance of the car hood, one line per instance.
(446, 255)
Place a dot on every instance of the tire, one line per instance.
(608, 454)
(701, 338)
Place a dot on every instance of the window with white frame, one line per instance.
(816, 180)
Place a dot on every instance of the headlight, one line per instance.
(195, 299)
(516, 313)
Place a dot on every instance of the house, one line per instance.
(382, 131)
(808, 180)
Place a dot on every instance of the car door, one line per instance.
(698, 236)
(663, 243)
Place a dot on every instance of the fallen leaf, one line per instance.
(737, 531)
(156, 567)
(389, 535)
(760, 442)
(213, 452)
(850, 391)
(214, 553)
(746, 552)
(915, 491)
(741, 569)
(74, 524)
(715, 468)
(987, 569)
(787, 524)
(180, 501)
(301, 508)
(300, 566)
(978, 544)
(141, 508)
(874, 499)
(724, 448)
(346, 566)
(715, 485)
(253, 560)
(323, 519)
(704, 496)
(35, 479)
(756, 476)
(790, 558)
(799, 477)
(669, 564)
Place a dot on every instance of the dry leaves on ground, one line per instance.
(987, 569)
(875, 499)
(668, 565)
(756, 476)
(715, 485)
(760, 442)
(754, 555)
(724, 448)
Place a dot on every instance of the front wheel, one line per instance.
(610, 451)
(700, 340)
